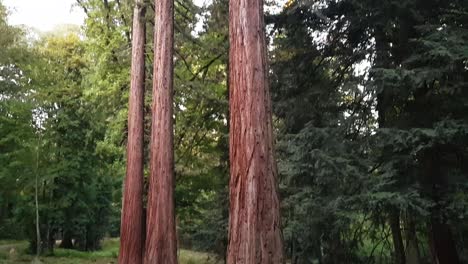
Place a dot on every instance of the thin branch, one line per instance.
(206, 66)
(83, 6)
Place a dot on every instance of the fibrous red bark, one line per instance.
(131, 232)
(161, 243)
(254, 224)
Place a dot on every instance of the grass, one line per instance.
(10, 242)
(107, 255)
(193, 257)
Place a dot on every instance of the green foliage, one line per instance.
(16, 124)
(202, 130)
(52, 132)
(356, 141)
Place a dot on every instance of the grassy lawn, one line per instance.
(107, 255)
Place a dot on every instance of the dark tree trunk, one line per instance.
(254, 223)
(432, 249)
(399, 249)
(131, 231)
(441, 239)
(413, 255)
(444, 245)
(161, 240)
(67, 241)
(49, 242)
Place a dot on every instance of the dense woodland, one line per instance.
(370, 121)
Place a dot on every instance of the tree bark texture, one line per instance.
(131, 232)
(254, 223)
(161, 240)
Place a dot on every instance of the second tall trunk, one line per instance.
(131, 232)
(161, 242)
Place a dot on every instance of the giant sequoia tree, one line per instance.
(161, 245)
(254, 224)
(131, 231)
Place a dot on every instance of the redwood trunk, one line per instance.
(254, 224)
(161, 243)
(131, 232)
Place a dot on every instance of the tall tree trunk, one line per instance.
(444, 244)
(398, 246)
(131, 231)
(432, 248)
(161, 240)
(36, 199)
(254, 223)
(440, 236)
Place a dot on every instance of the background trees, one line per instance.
(18, 134)
(377, 66)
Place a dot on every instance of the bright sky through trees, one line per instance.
(47, 14)
(44, 14)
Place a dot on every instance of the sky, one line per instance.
(44, 15)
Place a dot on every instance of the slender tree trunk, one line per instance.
(36, 198)
(50, 242)
(254, 223)
(398, 246)
(432, 248)
(131, 232)
(161, 240)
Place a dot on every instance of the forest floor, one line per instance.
(14, 252)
